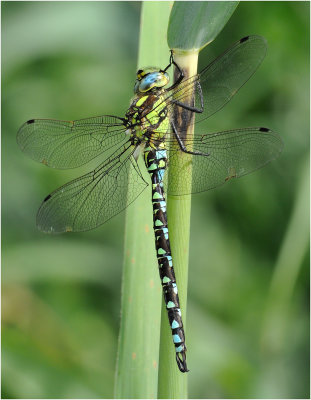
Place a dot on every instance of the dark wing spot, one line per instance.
(264, 130)
(244, 39)
(31, 121)
(47, 198)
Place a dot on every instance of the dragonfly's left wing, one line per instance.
(229, 154)
(69, 144)
(94, 198)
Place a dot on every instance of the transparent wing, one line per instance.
(94, 198)
(231, 154)
(69, 144)
(220, 80)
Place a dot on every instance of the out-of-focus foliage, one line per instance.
(248, 313)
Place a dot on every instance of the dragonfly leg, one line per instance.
(192, 108)
(183, 105)
(181, 74)
(183, 147)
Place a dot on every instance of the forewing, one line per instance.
(220, 80)
(94, 198)
(69, 144)
(229, 155)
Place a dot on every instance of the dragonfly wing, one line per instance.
(229, 154)
(221, 79)
(218, 82)
(69, 144)
(94, 198)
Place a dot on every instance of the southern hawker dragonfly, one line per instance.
(150, 128)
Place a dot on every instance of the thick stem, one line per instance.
(178, 212)
(138, 350)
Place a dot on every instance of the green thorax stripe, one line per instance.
(155, 115)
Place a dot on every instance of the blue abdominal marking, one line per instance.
(176, 339)
(175, 325)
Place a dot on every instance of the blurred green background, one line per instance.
(248, 310)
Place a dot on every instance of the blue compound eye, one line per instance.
(150, 81)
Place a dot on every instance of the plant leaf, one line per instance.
(193, 25)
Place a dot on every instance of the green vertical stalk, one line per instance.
(290, 260)
(138, 349)
(173, 383)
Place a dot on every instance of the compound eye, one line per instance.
(148, 82)
(153, 80)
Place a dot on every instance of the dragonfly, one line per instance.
(154, 127)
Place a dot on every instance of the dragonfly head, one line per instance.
(150, 78)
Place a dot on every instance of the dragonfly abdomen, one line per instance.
(156, 161)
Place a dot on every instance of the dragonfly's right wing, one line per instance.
(69, 144)
(94, 198)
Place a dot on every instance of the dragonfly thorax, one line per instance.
(147, 115)
(149, 79)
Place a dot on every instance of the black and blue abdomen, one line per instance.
(156, 163)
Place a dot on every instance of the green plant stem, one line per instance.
(289, 263)
(138, 350)
(173, 383)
